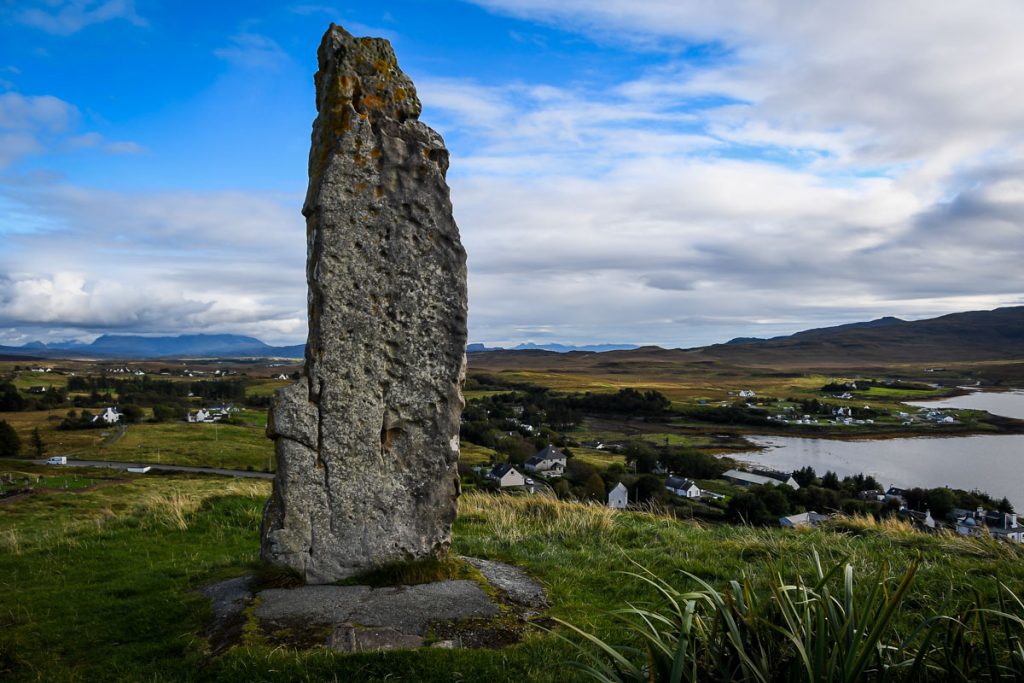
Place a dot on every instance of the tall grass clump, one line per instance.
(511, 519)
(825, 629)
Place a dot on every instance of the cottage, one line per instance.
(897, 494)
(506, 475)
(1004, 526)
(922, 521)
(550, 462)
(618, 497)
(804, 519)
(682, 487)
(770, 478)
(747, 393)
(110, 416)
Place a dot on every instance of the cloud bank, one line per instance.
(768, 167)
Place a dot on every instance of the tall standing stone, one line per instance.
(368, 441)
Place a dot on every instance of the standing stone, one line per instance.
(368, 441)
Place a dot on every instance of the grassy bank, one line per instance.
(99, 585)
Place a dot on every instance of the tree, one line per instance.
(831, 481)
(805, 476)
(10, 399)
(648, 487)
(38, 446)
(940, 501)
(10, 444)
(594, 487)
(747, 507)
(641, 454)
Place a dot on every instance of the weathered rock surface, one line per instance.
(443, 614)
(405, 609)
(512, 581)
(367, 443)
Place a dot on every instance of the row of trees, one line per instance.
(10, 442)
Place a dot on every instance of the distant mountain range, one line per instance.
(975, 335)
(134, 346)
(970, 336)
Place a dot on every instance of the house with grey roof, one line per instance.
(549, 461)
(682, 487)
(763, 478)
(804, 519)
(506, 475)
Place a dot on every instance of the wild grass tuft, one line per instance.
(827, 628)
(511, 519)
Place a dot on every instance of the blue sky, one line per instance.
(644, 171)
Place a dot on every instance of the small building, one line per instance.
(550, 462)
(109, 416)
(682, 487)
(804, 519)
(897, 494)
(201, 415)
(922, 521)
(770, 478)
(618, 497)
(1004, 526)
(747, 393)
(506, 475)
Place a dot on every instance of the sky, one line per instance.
(670, 172)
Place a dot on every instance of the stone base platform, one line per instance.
(448, 614)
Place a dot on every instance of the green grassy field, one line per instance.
(100, 585)
(176, 442)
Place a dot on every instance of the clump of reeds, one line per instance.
(822, 629)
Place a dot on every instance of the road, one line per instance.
(168, 468)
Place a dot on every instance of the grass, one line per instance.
(471, 454)
(199, 445)
(100, 585)
(825, 627)
(414, 572)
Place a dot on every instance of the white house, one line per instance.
(549, 462)
(747, 393)
(804, 519)
(618, 497)
(770, 478)
(1004, 526)
(110, 416)
(201, 415)
(506, 475)
(682, 487)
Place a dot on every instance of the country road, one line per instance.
(168, 468)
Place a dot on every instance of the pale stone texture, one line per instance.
(367, 442)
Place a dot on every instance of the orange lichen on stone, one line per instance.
(373, 102)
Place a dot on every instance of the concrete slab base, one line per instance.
(448, 614)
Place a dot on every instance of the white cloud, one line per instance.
(167, 262)
(829, 162)
(96, 141)
(70, 17)
(252, 51)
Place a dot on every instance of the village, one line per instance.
(550, 465)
